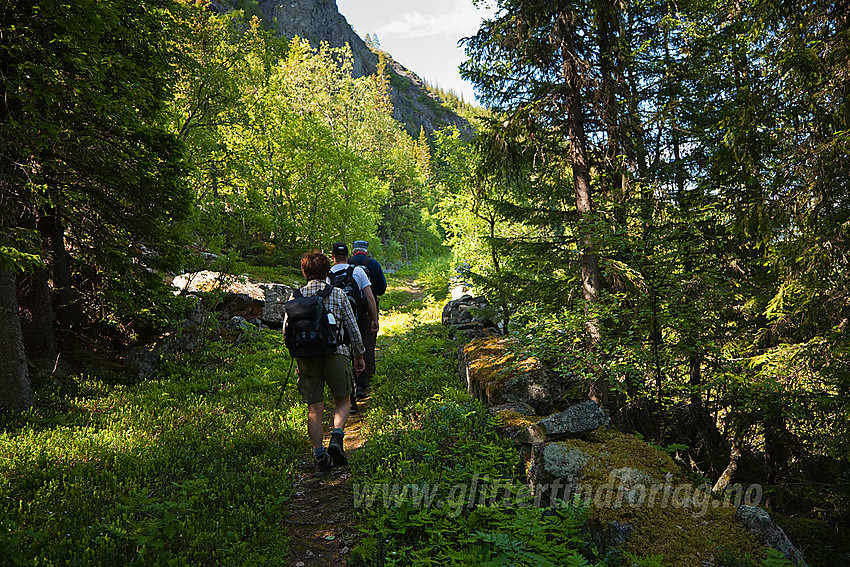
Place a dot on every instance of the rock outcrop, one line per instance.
(758, 521)
(495, 374)
(320, 20)
(254, 302)
(223, 309)
(639, 500)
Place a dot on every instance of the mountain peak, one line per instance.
(414, 105)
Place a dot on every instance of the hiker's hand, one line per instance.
(375, 327)
(359, 364)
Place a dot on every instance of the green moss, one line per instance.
(491, 364)
(515, 419)
(669, 516)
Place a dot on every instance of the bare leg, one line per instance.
(341, 410)
(314, 422)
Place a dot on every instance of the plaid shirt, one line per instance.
(338, 304)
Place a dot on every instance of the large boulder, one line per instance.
(759, 522)
(275, 295)
(495, 374)
(263, 301)
(574, 421)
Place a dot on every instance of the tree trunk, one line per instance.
(15, 392)
(37, 317)
(734, 457)
(581, 171)
(565, 31)
(52, 229)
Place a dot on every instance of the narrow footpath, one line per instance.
(321, 521)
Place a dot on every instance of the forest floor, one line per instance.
(322, 522)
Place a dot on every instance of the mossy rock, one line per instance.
(513, 418)
(640, 501)
(495, 374)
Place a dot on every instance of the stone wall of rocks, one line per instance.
(575, 447)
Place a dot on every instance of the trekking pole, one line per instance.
(285, 382)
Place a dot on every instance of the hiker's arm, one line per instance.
(373, 307)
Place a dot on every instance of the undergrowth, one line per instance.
(421, 478)
(192, 467)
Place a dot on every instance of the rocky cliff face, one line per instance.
(317, 21)
(320, 20)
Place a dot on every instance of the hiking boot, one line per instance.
(335, 450)
(354, 408)
(324, 464)
(361, 394)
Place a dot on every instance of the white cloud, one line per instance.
(461, 22)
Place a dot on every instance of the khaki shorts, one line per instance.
(315, 371)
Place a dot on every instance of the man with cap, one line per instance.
(369, 329)
(379, 286)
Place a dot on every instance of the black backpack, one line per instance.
(344, 280)
(310, 329)
(361, 260)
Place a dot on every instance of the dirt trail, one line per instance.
(322, 521)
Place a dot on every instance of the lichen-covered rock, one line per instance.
(758, 521)
(274, 297)
(563, 460)
(632, 483)
(496, 375)
(470, 315)
(263, 301)
(574, 421)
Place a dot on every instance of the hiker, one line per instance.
(379, 286)
(334, 369)
(341, 275)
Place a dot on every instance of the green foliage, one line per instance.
(428, 442)
(12, 258)
(192, 467)
(717, 217)
(773, 558)
(287, 148)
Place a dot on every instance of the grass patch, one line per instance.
(287, 275)
(426, 434)
(190, 468)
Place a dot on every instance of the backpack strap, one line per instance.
(296, 293)
(325, 291)
(350, 271)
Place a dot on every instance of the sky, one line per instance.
(422, 35)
